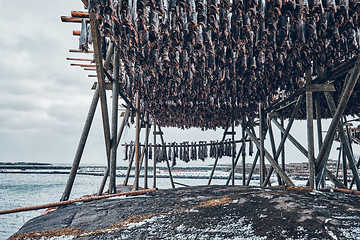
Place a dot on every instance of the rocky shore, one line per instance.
(205, 212)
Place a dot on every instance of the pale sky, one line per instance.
(44, 101)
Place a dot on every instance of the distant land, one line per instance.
(25, 163)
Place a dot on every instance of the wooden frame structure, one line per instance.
(268, 116)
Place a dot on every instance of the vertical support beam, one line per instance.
(348, 89)
(167, 161)
(283, 161)
(81, 146)
(344, 169)
(154, 166)
(100, 76)
(233, 157)
(319, 127)
(137, 143)
(261, 145)
(146, 151)
(310, 137)
(243, 154)
(114, 123)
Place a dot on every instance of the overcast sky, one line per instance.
(44, 101)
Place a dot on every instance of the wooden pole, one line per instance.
(137, 143)
(154, 164)
(233, 157)
(319, 127)
(81, 146)
(146, 151)
(101, 83)
(243, 155)
(310, 137)
(114, 121)
(283, 160)
(261, 144)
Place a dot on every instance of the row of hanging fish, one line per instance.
(186, 151)
(204, 63)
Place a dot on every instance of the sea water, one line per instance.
(24, 190)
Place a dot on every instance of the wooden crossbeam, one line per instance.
(73, 20)
(76, 32)
(79, 14)
(79, 51)
(82, 65)
(79, 59)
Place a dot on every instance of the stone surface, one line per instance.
(206, 212)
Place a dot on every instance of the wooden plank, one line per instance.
(320, 88)
(82, 65)
(76, 33)
(79, 14)
(79, 59)
(73, 20)
(79, 51)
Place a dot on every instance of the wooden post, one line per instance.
(243, 154)
(283, 159)
(261, 145)
(233, 157)
(137, 143)
(154, 166)
(310, 137)
(101, 83)
(114, 121)
(81, 146)
(146, 151)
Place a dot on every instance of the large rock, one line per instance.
(206, 212)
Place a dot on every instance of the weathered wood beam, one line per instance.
(320, 88)
(80, 59)
(80, 14)
(101, 81)
(73, 20)
(81, 146)
(79, 51)
(82, 65)
(76, 33)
